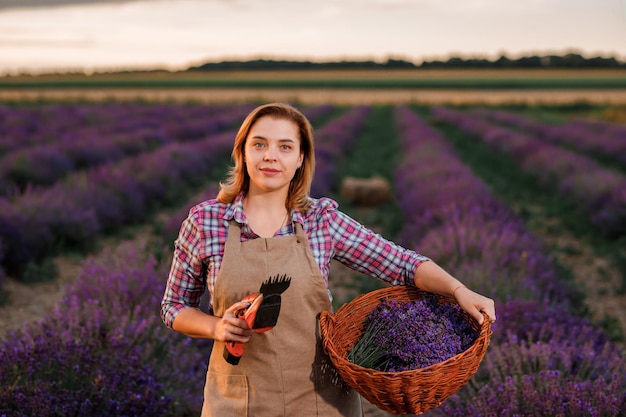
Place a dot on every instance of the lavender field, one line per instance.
(528, 211)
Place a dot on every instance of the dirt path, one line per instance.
(597, 275)
(321, 96)
(32, 302)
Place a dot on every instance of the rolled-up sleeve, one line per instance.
(185, 283)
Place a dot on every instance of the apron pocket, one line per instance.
(225, 395)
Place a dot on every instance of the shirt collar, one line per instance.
(234, 211)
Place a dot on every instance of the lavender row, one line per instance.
(33, 125)
(170, 227)
(332, 141)
(56, 140)
(599, 192)
(452, 214)
(73, 211)
(544, 362)
(24, 126)
(103, 351)
(543, 357)
(95, 142)
(604, 139)
(601, 127)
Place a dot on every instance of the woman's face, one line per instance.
(272, 154)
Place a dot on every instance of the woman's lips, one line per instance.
(269, 171)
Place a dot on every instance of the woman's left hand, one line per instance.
(432, 278)
(475, 304)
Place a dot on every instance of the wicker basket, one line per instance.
(406, 392)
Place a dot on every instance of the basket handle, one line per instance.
(327, 321)
(327, 324)
(486, 325)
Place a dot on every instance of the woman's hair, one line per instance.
(238, 179)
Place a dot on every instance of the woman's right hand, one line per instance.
(231, 328)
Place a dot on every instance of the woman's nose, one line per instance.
(270, 154)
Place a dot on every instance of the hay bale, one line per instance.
(366, 191)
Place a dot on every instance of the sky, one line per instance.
(38, 36)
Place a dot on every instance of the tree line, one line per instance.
(535, 61)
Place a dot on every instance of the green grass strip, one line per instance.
(495, 83)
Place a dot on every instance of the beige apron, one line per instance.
(283, 372)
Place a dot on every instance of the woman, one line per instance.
(264, 224)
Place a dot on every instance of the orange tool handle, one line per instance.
(233, 351)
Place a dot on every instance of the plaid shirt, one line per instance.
(332, 234)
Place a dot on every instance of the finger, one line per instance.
(237, 338)
(235, 322)
(490, 310)
(491, 314)
(478, 316)
(237, 334)
(238, 331)
(235, 308)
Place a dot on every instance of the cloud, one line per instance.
(16, 37)
(395, 4)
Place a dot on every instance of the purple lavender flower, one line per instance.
(37, 165)
(103, 351)
(403, 335)
(558, 377)
(448, 210)
(51, 376)
(576, 176)
(333, 140)
(171, 226)
(538, 321)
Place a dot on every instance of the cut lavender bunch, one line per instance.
(405, 335)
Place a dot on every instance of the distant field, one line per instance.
(319, 96)
(348, 79)
(537, 86)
